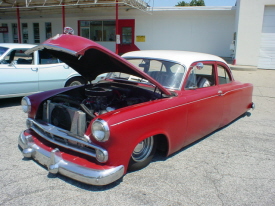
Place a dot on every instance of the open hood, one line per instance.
(90, 59)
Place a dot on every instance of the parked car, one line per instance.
(149, 100)
(23, 74)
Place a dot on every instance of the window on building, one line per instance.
(14, 33)
(5, 34)
(48, 29)
(25, 32)
(98, 30)
(36, 34)
(126, 35)
(109, 27)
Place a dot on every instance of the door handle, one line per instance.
(34, 69)
(220, 93)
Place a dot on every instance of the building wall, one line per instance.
(56, 28)
(208, 29)
(249, 27)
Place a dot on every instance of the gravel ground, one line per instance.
(232, 166)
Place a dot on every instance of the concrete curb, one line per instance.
(229, 61)
(242, 68)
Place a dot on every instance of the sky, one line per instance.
(169, 3)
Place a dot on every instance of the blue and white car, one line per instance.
(22, 74)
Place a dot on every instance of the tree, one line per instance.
(182, 3)
(197, 3)
(192, 3)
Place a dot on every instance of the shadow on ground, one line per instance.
(10, 102)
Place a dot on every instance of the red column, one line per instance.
(117, 33)
(18, 25)
(63, 17)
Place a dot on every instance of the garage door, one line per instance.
(267, 47)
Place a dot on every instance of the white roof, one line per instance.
(17, 45)
(183, 57)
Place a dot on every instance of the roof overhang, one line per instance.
(10, 6)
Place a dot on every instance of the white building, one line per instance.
(250, 26)
(255, 27)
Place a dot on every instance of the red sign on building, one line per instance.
(4, 29)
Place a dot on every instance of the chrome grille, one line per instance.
(77, 118)
(63, 138)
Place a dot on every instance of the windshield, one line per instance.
(168, 74)
(3, 50)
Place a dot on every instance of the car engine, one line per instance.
(73, 110)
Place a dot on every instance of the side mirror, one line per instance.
(199, 65)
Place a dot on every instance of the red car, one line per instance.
(149, 100)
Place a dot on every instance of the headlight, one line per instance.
(26, 104)
(100, 130)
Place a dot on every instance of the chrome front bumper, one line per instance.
(56, 164)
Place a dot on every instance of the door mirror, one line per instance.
(199, 65)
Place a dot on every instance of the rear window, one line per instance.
(168, 74)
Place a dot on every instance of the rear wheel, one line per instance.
(75, 81)
(142, 154)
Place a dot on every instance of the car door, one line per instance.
(19, 75)
(205, 104)
(52, 73)
(232, 93)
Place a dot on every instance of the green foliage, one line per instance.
(192, 3)
(182, 3)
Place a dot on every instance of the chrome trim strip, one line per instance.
(177, 106)
(56, 164)
(162, 110)
(67, 136)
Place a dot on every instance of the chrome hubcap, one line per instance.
(143, 149)
(75, 83)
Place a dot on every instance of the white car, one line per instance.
(22, 74)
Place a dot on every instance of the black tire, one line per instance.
(75, 81)
(142, 154)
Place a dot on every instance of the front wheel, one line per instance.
(142, 154)
(75, 81)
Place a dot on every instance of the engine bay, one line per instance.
(82, 104)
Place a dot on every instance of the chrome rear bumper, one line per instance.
(56, 164)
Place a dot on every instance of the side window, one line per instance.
(18, 56)
(46, 58)
(201, 77)
(223, 75)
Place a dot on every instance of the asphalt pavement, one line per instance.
(232, 166)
